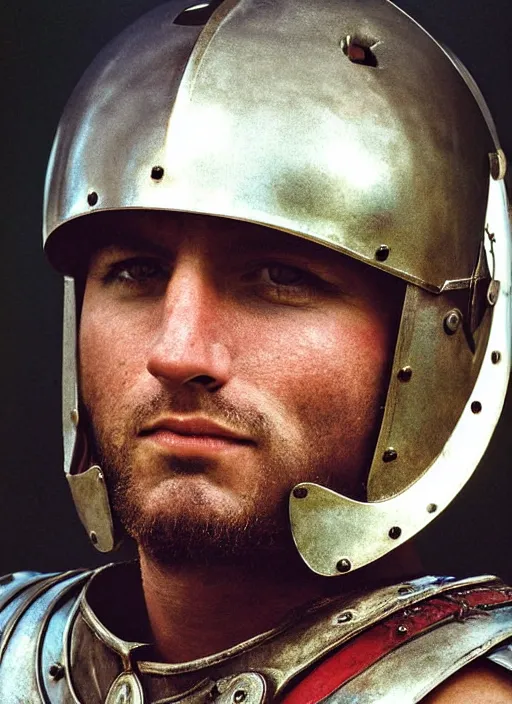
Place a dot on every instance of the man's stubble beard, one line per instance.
(258, 536)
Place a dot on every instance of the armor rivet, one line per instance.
(382, 253)
(74, 417)
(401, 630)
(405, 374)
(476, 407)
(390, 455)
(498, 162)
(452, 321)
(496, 357)
(395, 532)
(93, 537)
(345, 617)
(300, 492)
(6, 580)
(56, 671)
(406, 589)
(343, 565)
(432, 508)
(239, 696)
(92, 198)
(157, 173)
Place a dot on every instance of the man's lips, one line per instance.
(193, 435)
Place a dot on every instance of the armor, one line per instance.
(64, 641)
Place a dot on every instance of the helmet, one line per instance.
(342, 122)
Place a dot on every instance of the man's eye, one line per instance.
(283, 275)
(137, 271)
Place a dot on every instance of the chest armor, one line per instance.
(393, 644)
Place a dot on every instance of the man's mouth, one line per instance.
(189, 436)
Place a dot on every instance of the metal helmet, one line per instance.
(343, 122)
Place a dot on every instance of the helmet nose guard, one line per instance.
(341, 122)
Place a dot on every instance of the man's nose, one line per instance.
(190, 345)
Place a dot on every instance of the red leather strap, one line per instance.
(382, 638)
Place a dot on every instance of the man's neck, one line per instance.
(198, 611)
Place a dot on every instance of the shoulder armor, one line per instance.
(404, 656)
(34, 610)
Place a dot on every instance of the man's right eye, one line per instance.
(138, 272)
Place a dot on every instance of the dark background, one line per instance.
(45, 46)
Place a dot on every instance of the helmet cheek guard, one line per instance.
(344, 123)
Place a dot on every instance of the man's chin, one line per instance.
(202, 534)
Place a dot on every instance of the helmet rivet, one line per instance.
(405, 374)
(300, 492)
(92, 198)
(395, 532)
(74, 417)
(93, 537)
(343, 565)
(498, 162)
(239, 696)
(432, 508)
(452, 321)
(157, 173)
(390, 455)
(382, 253)
(56, 671)
(496, 357)
(345, 617)
(401, 630)
(476, 407)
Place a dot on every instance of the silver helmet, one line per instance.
(342, 122)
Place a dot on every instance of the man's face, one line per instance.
(221, 364)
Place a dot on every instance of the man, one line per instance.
(286, 229)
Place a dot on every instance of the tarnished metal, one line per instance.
(250, 152)
(126, 689)
(91, 499)
(60, 627)
(327, 526)
(408, 674)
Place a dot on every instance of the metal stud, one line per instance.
(157, 173)
(382, 253)
(345, 617)
(92, 198)
(74, 417)
(498, 162)
(495, 357)
(395, 533)
(432, 508)
(300, 492)
(390, 455)
(476, 407)
(405, 374)
(56, 671)
(402, 630)
(239, 696)
(93, 537)
(452, 321)
(343, 565)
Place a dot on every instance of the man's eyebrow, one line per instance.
(132, 241)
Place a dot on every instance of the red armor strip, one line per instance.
(380, 639)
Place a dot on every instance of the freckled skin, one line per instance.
(224, 327)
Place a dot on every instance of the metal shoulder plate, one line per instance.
(34, 611)
(393, 644)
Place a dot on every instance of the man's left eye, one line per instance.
(283, 275)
